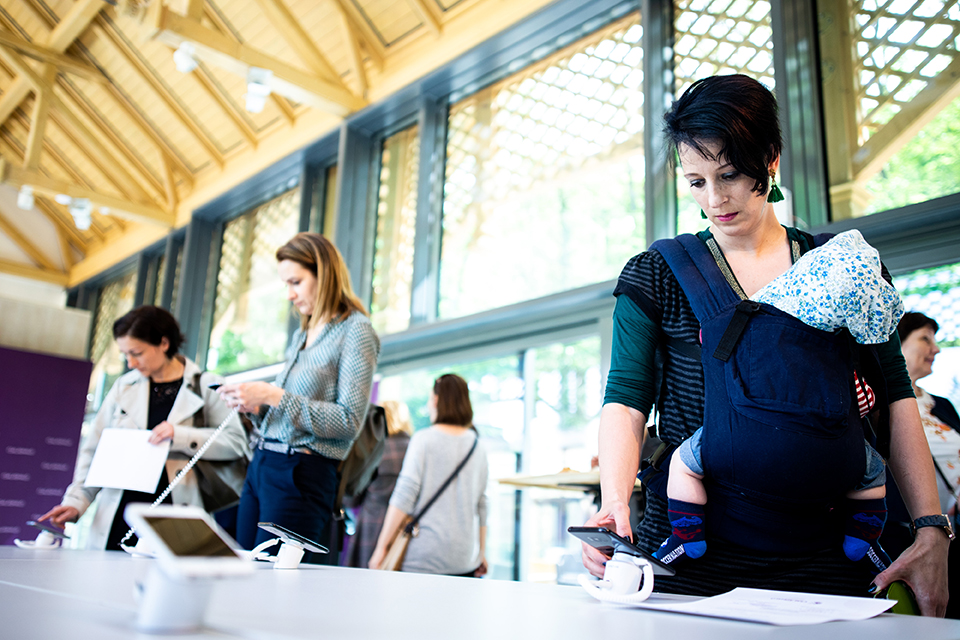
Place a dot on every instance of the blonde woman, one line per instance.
(308, 418)
(373, 509)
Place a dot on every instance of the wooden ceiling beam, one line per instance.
(279, 102)
(89, 142)
(426, 16)
(293, 34)
(38, 257)
(16, 176)
(69, 230)
(74, 22)
(173, 29)
(38, 123)
(93, 158)
(25, 271)
(143, 172)
(372, 43)
(209, 83)
(54, 153)
(172, 103)
(170, 183)
(62, 62)
(352, 41)
(66, 252)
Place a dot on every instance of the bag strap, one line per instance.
(413, 521)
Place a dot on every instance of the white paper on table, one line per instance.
(777, 607)
(125, 460)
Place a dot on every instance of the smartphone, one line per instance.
(214, 386)
(49, 528)
(289, 536)
(187, 542)
(903, 594)
(608, 542)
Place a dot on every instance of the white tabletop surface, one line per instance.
(65, 594)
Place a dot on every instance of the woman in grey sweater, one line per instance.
(452, 532)
(309, 417)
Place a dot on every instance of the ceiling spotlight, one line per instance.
(63, 199)
(25, 197)
(82, 210)
(185, 57)
(258, 88)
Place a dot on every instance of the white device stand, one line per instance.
(622, 578)
(45, 540)
(288, 557)
(172, 605)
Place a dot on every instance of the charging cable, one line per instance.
(178, 478)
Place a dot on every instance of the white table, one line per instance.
(84, 594)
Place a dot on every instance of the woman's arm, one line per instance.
(923, 565)
(232, 441)
(621, 437)
(391, 527)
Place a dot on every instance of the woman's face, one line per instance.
(724, 193)
(919, 350)
(146, 358)
(301, 285)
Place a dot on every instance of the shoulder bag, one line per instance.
(393, 560)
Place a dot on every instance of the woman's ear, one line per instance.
(164, 345)
(774, 166)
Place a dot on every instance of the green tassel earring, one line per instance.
(775, 194)
(704, 216)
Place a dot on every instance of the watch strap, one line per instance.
(940, 520)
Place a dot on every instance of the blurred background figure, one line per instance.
(373, 503)
(452, 532)
(167, 394)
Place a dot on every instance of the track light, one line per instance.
(82, 210)
(25, 197)
(185, 57)
(63, 199)
(258, 88)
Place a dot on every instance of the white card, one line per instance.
(125, 460)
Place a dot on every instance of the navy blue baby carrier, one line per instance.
(782, 434)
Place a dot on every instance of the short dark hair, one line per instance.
(913, 320)
(151, 325)
(735, 111)
(453, 400)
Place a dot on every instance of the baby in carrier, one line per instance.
(836, 285)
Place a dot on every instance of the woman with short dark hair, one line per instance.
(685, 324)
(453, 530)
(167, 394)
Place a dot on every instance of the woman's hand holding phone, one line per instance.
(249, 396)
(60, 515)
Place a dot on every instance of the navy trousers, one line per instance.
(295, 491)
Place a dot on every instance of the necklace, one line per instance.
(165, 390)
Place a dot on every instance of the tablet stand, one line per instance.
(288, 557)
(172, 605)
(45, 540)
(622, 578)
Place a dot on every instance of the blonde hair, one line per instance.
(398, 417)
(335, 297)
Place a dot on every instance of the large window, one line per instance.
(251, 312)
(537, 412)
(396, 225)
(544, 186)
(890, 102)
(115, 299)
(936, 294)
(718, 38)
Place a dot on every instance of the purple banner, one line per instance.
(41, 414)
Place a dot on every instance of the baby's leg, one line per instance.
(686, 497)
(867, 513)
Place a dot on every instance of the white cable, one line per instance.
(179, 476)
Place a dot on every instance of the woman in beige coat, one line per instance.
(169, 395)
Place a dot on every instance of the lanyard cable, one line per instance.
(186, 469)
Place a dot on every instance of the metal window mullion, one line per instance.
(356, 205)
(660, 189)
(432, 125)
(143, 272)
(190, 297)
(170, 272)
(796, 64)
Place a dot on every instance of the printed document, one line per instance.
(125, 460)
(776, 607)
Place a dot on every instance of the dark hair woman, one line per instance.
(309, 416)
(725, 133)
(166, 394)
(453, 531)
